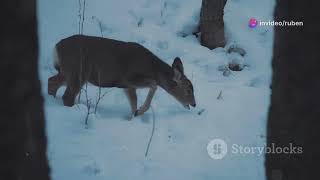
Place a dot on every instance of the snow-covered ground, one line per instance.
(111, 147)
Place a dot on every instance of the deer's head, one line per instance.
(182, 88)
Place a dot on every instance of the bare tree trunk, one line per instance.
(294, 115)
(22, 127)
(211, 23)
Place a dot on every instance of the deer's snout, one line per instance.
(193, 105)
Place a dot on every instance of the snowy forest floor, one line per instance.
(111, 147)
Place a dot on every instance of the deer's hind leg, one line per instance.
(54, 83)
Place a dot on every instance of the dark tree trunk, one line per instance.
(294, 115)
(211, 23)
(22, 126)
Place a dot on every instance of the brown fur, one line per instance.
(110, 63)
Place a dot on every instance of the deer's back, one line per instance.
(105, 62)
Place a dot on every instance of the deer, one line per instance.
(106, 63)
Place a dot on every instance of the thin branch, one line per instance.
(99, 95)
(165, 4)
(220, 95)
(81, 22)
(83, 15)
(99, 24)
(99, 98)
(80, 74)
(100, 27)
(89, 105)
(201, 111)
(79, 14)
(152, 132)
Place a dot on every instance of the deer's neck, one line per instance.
(165, 76)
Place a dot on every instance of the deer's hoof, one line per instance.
(68, 103)
(52, 93)
(130, 117)
(138, 113)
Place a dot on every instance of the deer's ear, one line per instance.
(177, 75)
(177, 64)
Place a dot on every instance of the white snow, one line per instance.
(112, 147)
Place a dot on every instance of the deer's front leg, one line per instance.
(132, 97)
(147, 102)
(54, 83)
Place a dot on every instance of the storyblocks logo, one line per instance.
(218, 149)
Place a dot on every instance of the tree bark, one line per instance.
(294, 115)
(22, 126)
(211, 23)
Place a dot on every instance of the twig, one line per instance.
(100, 27)
(99, 98)
(165, 4)
(201, 111)
(83, 14)
(88, 104)
(152, 132)
(80, 74)
(192, 75)
(99, 94)
(79, 14)
(99, 24)
(220, 95)
(81, 21)
(162, 12)
(82, 60)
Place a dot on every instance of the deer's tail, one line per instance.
(56, 59)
